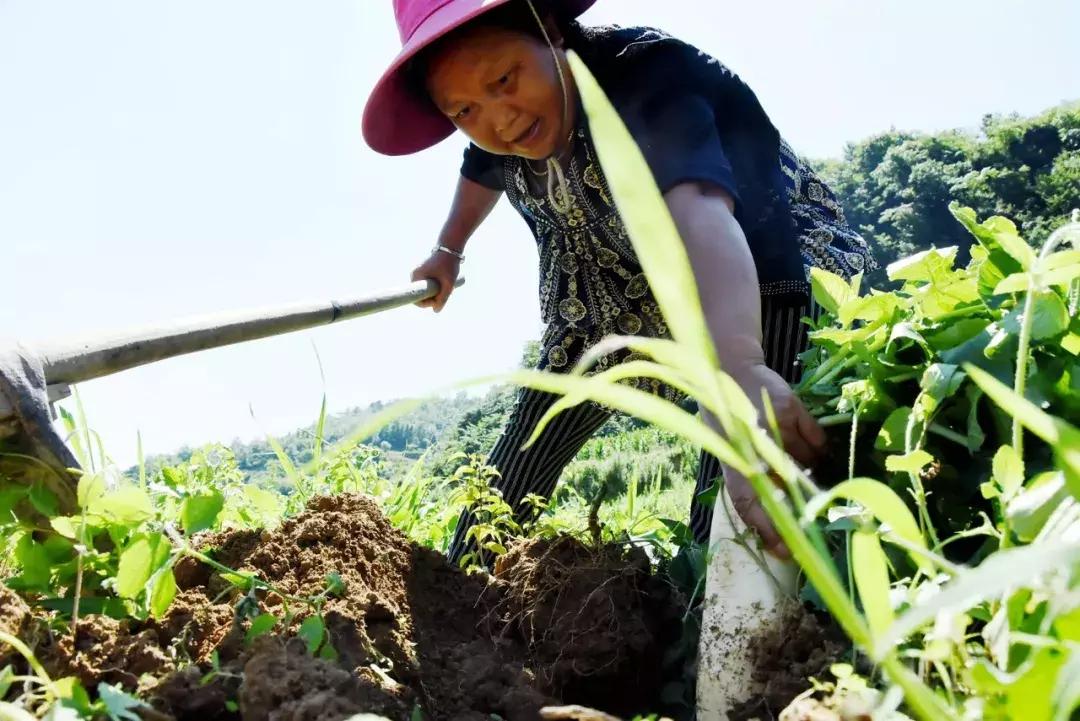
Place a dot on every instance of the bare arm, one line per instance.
(471, 205)
(730, 299)
(724, 270)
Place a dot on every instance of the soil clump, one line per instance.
(559, 622)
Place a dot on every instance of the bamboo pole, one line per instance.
(74, 361)
(67, 361)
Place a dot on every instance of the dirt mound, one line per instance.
(105, 650)
(404, 614)
(560, 622)
(282, 681)
(804, 647)
(14, 619)
(596, 621)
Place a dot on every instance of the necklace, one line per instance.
(541, 174)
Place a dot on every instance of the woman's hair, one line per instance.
(515, 16)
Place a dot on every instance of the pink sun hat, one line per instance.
(397, 120)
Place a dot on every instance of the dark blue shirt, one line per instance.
(695, 121)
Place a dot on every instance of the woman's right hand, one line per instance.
(442, 268)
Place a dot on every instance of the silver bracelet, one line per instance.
(444, 249)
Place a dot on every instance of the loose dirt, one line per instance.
(558, 623)
(804, 647)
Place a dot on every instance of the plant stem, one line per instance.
(31, 659)
(1022, 353)
(848, 533)
(1065, 232)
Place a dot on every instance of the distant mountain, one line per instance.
(408, 437)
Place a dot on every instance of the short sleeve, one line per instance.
(483, 167)
(677, 132)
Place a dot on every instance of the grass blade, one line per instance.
(652, 231)
(1007, 568)
(872, 579)
(879, 500)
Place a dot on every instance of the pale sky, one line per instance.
(163, 159)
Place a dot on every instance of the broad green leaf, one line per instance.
(905, 331)
(1063, 438)
(941, 380)
(924, 266)
(91, 489)
(328, 652)
(1067, 625)
(1024, 694)
(266, 504)
(1071, 343)
(955, 333)
(891, 435)
(44, 500)
(9, 499)
(874, 308)
(66, 526)
(135, 567)
(70, 690)
(830, 290)
(912, 462)
(1006, 568)
(127, 505)
(261, 624)
(1060, 259)
(200, 512)
(34, 563)
(872, 579)
(1005, 234)
(1008, 471)
(999, 236)
(881, 502)
(164, 592)
(118, 703)
(1060, 276)
(312, 630)
(1050, 317)
(1029, 510)
(1015, 283)
(644, 213)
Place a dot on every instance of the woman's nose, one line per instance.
(505, 123)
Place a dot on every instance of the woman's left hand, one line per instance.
(803, 439)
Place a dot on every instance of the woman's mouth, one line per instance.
(530, 136)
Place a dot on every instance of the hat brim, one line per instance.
(397, 120)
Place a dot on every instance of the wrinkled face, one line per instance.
(501, 88)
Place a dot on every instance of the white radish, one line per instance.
(746, 600)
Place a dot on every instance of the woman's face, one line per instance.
(502, 89)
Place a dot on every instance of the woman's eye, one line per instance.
(460, 115)
(504, 79)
